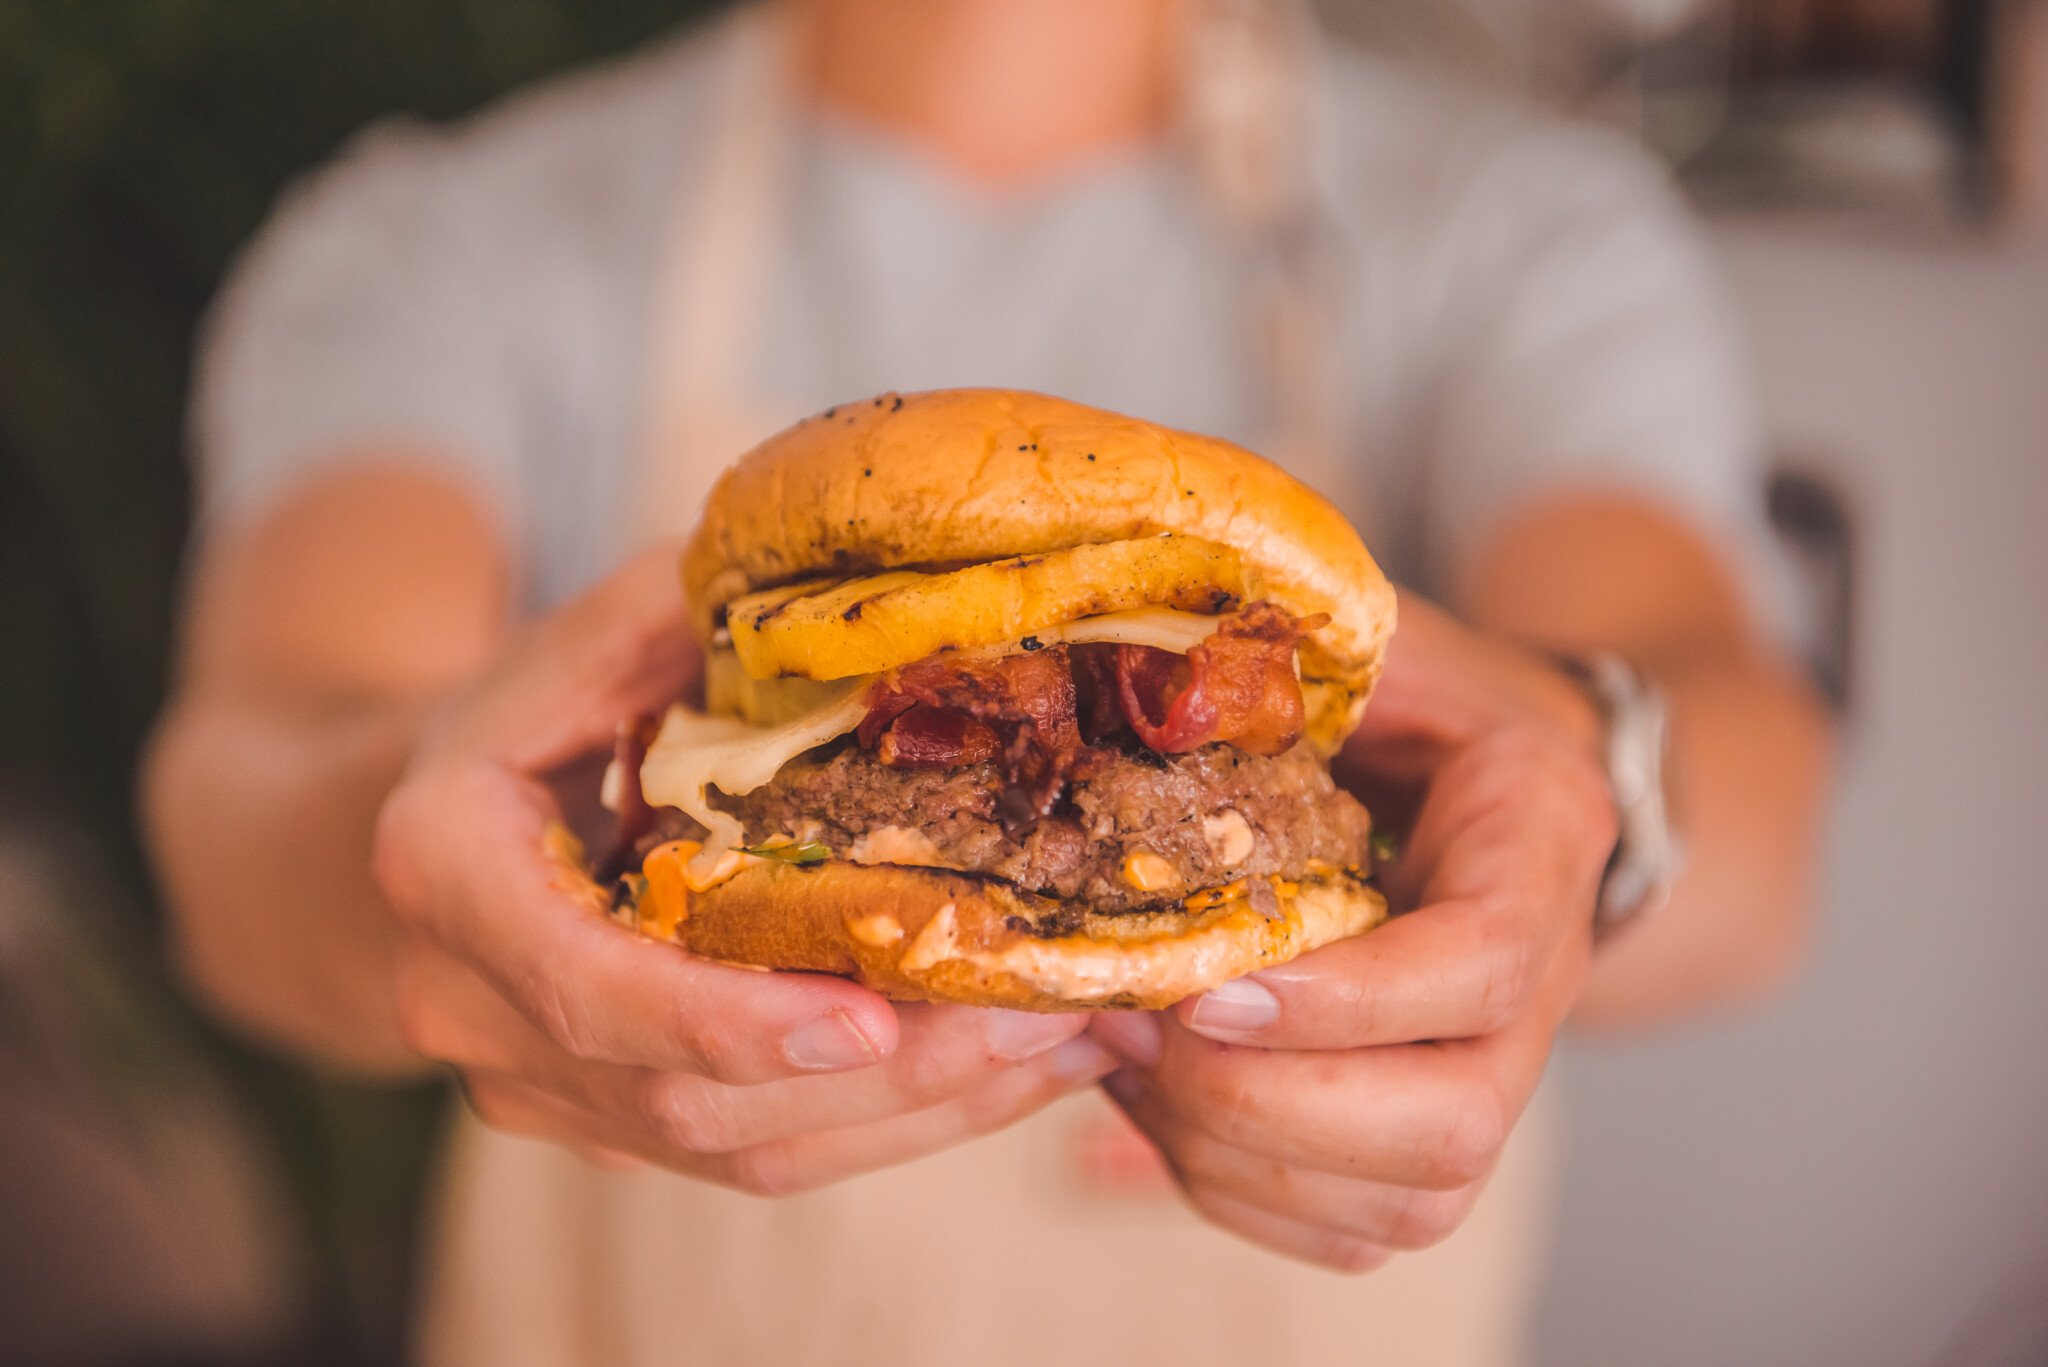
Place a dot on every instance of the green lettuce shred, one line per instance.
(809, 852)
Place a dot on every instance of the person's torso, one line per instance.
(1107, 283)
(1057, 1239)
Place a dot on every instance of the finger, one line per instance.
(511, 1107)
(1395, 1217)
(1507, 857)
(620, 650)
(1454, 970)
(1309, 1243)
(1520, 806)
(1426, 701)
(814, 1160)
(598, 990)
(1133, 1035)
(945, 1052)
(1419, 1115)
(611, 1160)
(811, 1160)
(1444, 686)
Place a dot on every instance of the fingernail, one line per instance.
(831, 1043)
(1132, 1034)
(1018, 1035)
(1237, 1007)
(1081, 1058)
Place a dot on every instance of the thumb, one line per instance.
(621, 649)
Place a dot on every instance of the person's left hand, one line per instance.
(1352, 1103)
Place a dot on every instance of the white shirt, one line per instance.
(1522, 306)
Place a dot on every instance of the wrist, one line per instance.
(1633, 748)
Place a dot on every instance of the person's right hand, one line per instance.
(564, 1024)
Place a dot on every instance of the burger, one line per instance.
(1008, 701)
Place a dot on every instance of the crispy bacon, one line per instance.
(885, 705)
(1097, 697)
(1237, 686)
(1035, 689)
(927, 737)
(945, 711)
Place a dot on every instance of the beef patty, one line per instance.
(1213, 815)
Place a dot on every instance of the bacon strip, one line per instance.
(1097, 694)
(927, 737)
(946, 712)
(1237, 686)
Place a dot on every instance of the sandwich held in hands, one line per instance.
(1008, 701)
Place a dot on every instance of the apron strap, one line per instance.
(715, 263)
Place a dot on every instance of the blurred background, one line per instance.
(1856, 1175)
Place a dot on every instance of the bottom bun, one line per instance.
(923, 934)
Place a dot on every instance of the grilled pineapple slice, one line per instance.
(865, 625)
(731, 692)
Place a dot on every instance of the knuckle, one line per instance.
(925, 1076)
(550, 1005)
(392, 866)
(1344, 998)
(989, 1108)
(1362, 1007)
(494, 1107)
(762, 1171)
(686, 1114)
(1354, 1256)
(1420, 1219)
(1513, 969)
(1465, 1144)
(711, 1048)
(1595, 794)
(419, 1015)
(1199, 1161)
(1223, 1210)
(419, 1024)
(1177, 1171)
(1585, 789)
(1223, 1103)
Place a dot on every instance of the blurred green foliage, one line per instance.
(141, 142)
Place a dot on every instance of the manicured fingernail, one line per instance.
(1018, 1035)
(1132, 1034)
(1237, 1007)
(1081, 1058)
(831, 1043)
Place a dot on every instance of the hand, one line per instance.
(566, 1025)
(1352, 1103)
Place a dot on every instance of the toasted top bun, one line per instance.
(962, 476)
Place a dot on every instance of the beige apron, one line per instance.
(1058, 1240)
